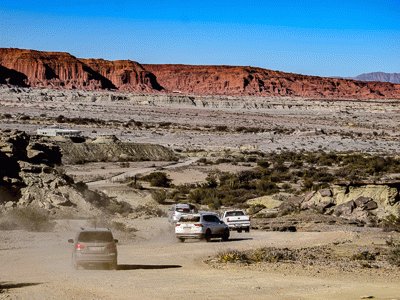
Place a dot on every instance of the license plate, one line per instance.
(96, 249)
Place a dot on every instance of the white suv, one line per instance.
(202, 225)
(178, 210)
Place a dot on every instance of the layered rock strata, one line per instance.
(63, 71)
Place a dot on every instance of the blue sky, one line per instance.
(327, 38)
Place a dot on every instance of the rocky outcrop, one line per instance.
(63, 71)
(231, 80)
(29, 177)
(367, 203)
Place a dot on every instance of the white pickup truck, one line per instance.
(236, 220)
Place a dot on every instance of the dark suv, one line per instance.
(94, 246)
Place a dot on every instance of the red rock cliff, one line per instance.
(62, 70)
(126, 75)
(230, 80)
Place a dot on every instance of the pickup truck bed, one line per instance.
(236, 220)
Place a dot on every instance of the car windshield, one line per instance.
(95, 236)
(234, 213)
(189, 219)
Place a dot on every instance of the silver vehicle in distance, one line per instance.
(94, 246)
(201, 226)
(177, 210)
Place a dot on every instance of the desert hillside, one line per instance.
(64, 71)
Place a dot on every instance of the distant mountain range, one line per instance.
(379, 76)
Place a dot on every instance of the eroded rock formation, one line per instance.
(63, 71)
(230, 80)
(29, 177)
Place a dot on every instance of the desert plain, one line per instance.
(341, 258)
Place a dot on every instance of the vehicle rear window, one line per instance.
(184, 210)
(234, 213)
(95, 236)
(189, 219)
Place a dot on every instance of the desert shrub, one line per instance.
(135, 185)
(391, 223)
(158, 179)
(159, 196)
(120, 207)
(221, 128)
(223, 160)
(394, 255)
(308, 184)
(149, 211)
(266, 254)
(27, 218)
(232, 256)
(272, 255)
(364, 255)
(197, 195)
(263, 163)
(211, 181)
(267, 187)
(119, 226)
(204, 161)
(124, 164)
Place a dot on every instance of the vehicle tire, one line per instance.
(239, 230)
(247, 229)
(76, 266)
(207, 235)
(225, 235)
(112, 266)
(182, 240)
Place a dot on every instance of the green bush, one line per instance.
(158, 179)
(159, 196)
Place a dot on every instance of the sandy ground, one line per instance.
(155, 266)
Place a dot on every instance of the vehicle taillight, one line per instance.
(79, 246)
(177, 224)
(111, 247)
(198, 225)
(227, 219)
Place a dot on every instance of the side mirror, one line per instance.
(71, 241)
(115, 241)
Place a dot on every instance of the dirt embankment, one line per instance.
(104, 149)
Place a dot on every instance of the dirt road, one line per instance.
(156, 266)
(139, 171)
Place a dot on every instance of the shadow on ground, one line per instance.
(146, 267)
(9, 285)
(230, 240)
(238, 239)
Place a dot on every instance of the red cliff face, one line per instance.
(227, 80)
(126, 75)
(64, 71)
